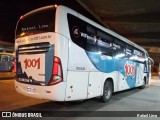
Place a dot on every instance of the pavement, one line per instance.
(155, 81)
(141, 100)
(7, 75)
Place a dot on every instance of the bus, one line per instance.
(6, 62)
(62, 55)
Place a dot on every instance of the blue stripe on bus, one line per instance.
(108, 64)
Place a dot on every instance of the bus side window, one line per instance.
(138, 55)
(129, 52)
(104, 43)
(76, 27)
(4, 58)
(7, 58)
(91, 39)
(11, 58)
(119, 48)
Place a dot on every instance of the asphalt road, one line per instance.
(147, 99)
(6, 75)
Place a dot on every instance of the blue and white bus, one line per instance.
(63, 56)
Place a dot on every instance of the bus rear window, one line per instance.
(37, 22)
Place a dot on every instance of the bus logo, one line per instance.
(129, 70)
(76, 31)
(32, 63)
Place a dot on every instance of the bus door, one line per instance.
(147, 70)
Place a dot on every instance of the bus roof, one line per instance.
(91, 22)
(4, 53)
(106, 30)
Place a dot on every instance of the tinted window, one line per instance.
(135, 54)
(129, 52)
(89, 37)
(37, 22)
(93, 39)
(138, 55)
(77, 30)
(104, 43)
(119, 48)
(5, 58)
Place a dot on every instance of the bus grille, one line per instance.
(36, 48)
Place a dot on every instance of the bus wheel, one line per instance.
(143, 85)
(107, 92)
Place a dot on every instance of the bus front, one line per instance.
(38, 70)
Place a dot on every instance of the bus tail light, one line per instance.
(57, 74)
(15, 70)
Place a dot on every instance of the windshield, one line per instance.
(6, 58)
(39, 21)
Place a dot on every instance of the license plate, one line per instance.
(30, 89)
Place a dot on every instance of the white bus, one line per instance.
(63, 56)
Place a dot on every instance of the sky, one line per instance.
(11, 10)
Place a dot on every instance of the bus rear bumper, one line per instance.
(54, 92)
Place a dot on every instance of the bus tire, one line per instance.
(143, 85)
(107, 92)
